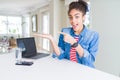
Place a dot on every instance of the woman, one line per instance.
(77, 43)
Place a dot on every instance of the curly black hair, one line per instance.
(79, 5)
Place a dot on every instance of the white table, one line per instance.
(49, 68)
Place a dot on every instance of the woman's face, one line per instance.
(76, 20)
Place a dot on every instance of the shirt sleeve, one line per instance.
(61, 56)
(90, 54)
(61, 45)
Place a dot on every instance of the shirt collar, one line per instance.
(82, 33)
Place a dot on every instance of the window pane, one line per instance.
(25, 26)
(45, 20)
(14, 25)
(87, 20)
(3, 25)
(10, 25)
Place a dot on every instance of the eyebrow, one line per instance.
(75, 14)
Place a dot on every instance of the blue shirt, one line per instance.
(88, 39)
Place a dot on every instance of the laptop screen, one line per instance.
(28, 46)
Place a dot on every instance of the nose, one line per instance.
(73, 20)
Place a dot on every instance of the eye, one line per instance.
(76, 17)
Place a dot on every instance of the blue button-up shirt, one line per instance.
(88, 39)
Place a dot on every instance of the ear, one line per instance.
(84, 16)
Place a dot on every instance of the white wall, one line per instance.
(105, 17)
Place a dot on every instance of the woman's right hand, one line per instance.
(54, 44)
(47, 36)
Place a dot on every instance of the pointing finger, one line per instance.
(62, 33)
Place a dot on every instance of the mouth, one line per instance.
(74, 26)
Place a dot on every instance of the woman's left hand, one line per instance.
(68, 38)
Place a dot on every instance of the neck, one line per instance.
(79, 31)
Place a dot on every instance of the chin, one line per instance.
(75, 30)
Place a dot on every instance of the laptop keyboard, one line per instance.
(40, 55)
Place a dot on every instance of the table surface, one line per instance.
(49, 68)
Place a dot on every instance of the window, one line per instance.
(25, 26)
(10, 25)
(87, 20)
(45, 29)
(34, 23)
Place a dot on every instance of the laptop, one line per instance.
(29, 48)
